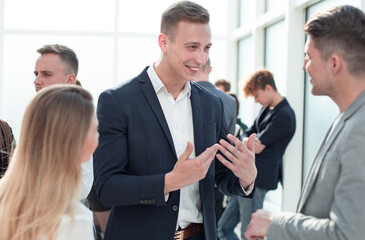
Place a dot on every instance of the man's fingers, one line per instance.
(209, 153)
(251, 142)
(189, 149)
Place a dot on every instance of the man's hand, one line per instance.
(259, 225)
(241, 158)
(189, 170)
(258, 146)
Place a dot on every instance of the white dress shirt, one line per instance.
(79, 226)
(178, 114)
(87, 178)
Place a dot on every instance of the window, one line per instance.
(113, 39)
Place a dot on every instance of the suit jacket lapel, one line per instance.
(317, 162)
(197, 120)
(152, 99)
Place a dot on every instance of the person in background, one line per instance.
(223, 85)
(38, 193)
(58, 64)
(230, 114)
(159, 135)
(275, 127)
(6, 146)
(331, 205)
(240, 126)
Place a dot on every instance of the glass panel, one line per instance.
(273, 54)
(95, 70)
(245, 68)
(135, 54)
(316, 120)
(147, 18)
(70, 15)
(273, 4)
(246, 12)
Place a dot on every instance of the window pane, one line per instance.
(147, 18)
(273, 5)
(95, 69)
(245, 68)
(135, 54)
(246, 12)
(70, 15)
(273, 54)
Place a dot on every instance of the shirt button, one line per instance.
(174, 208)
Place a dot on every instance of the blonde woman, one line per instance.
(39, 192)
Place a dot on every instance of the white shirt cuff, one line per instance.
(249, 189)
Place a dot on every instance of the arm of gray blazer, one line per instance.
(347, 213)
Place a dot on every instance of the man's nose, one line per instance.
(305, 65)
(202, 57)
(38, 80)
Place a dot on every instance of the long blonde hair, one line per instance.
(44, 174)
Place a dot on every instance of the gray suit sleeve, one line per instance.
(344, 174)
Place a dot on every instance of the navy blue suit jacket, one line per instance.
(135, 152)
(275, 128)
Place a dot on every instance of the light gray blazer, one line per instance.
(229, 105)
(332, 203)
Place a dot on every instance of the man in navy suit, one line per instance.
(159, 136)
(275, 127)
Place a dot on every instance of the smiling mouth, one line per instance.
(193, 69)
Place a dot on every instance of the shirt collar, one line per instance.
(159, 86)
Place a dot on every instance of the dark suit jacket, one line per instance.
(135, 152)
(275, 128)
(229, 105)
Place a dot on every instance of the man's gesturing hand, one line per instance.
(241, 158)
(189, 170)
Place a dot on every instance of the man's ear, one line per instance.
(162, 42)
(71, 79)
(268, 87)
(336, 63)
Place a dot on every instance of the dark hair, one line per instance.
(340, 29)
(182, 11)
(6, 146)
(67, 56)
(258, 81)
(223, 82)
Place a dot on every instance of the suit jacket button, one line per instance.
(174, 208)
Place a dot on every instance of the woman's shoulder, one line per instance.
(78, 226)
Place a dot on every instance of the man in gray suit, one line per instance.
(230, 112)
(331, 205)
